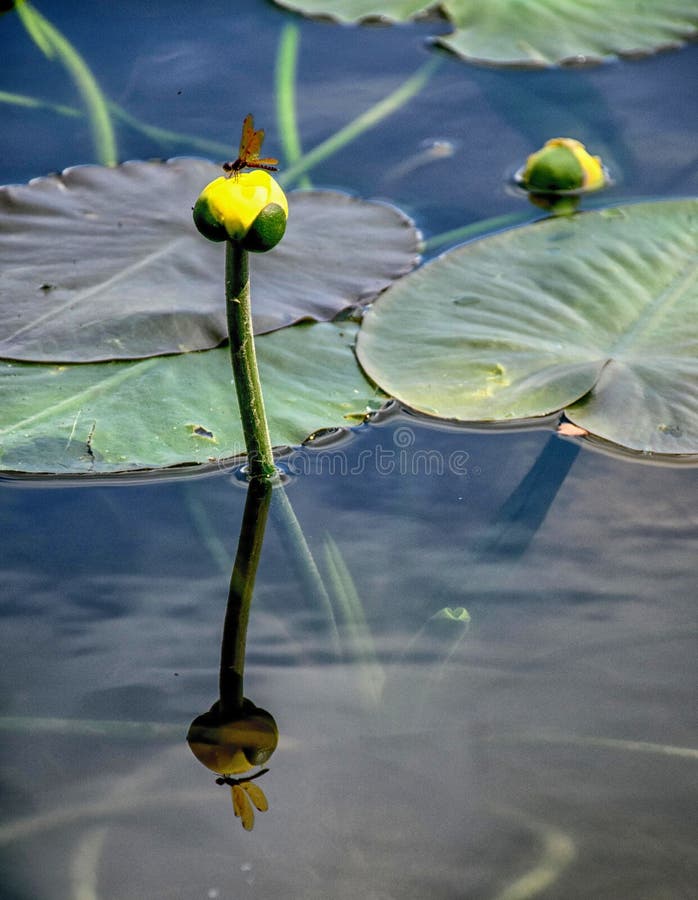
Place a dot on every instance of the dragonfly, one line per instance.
(243, 791)
(248, 154)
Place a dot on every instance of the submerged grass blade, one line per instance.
(98, 728)
(35, 103)
(286, 68)
(557, 852)
(52, 44)
(361, 648)
(301, 557)
(475, 229)
(32, 22)
(85, 863)
(381, 110)
(165, 136)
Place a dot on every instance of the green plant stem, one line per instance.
(51, 42)
(286, 67)
(242, 580)
(244, 359)
(366, 120)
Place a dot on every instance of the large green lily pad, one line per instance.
(594, 314)
(165, 411)
(534, 32)
(101, 263)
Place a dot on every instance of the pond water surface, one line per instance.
(507, 710)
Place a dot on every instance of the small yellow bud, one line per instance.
(249, 208)
(563, 164)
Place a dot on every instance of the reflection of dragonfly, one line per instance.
(242, 791)
(248, 154)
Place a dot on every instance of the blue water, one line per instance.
(547, 748)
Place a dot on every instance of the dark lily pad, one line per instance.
(109, 417)
(533, 32)
(594, 314)
(100, 263)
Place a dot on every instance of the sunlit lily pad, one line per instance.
(533, 32)
(101, 263)
(594, 314)
(175, 410)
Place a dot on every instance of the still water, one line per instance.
(497, 702)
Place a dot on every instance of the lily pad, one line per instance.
(106, 263)
(594, 314)
(533, 32)
(175, 410)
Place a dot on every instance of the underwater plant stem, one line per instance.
(237, 613)
(476, 229)
(244, 359)
(51, 42)
(285, 75)
(302, 559)
(366, 120)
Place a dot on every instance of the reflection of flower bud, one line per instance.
(234, 746)
(249, 208)
(563, 164)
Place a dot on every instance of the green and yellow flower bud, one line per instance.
(248, 208)
(562, 165)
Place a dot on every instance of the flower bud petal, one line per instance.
(249, 207)
(267, 229)
(563, 164)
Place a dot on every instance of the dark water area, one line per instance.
(498, 701)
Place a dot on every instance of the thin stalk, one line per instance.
(52, 43)
(302, 558)
(286, 68)
(366, 120)
(244, 359)
(35, 103)
(242, 580)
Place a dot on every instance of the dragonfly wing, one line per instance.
(256, 796)
(242, 807)
(247, 132)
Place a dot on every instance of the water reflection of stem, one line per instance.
(52, 43)
(286, 62)
(242, 583)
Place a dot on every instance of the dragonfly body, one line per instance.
(248, 153)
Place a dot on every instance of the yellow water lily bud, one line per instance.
(249, 208)
(561, 165)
